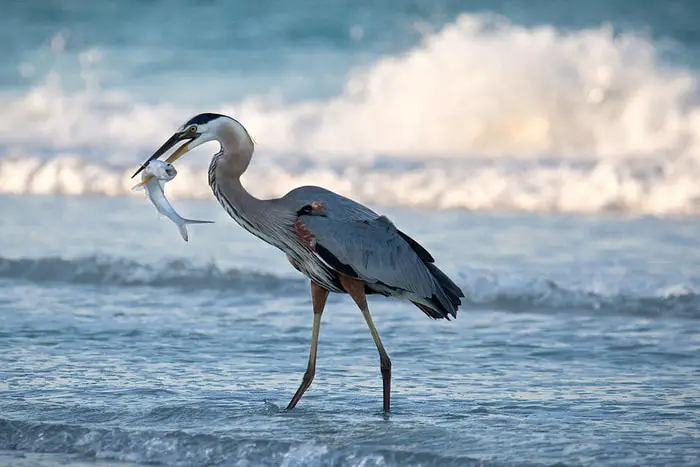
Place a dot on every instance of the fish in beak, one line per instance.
(159, 173)
(186, 136)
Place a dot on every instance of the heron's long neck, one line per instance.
(263, 218)
(248, 206)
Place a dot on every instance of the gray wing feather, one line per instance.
(337, 206)
(374, 250)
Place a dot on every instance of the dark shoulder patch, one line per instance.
(203, 118)
(420, 251)
(305, 210)
(312, 209)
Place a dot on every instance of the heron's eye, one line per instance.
(192, 129)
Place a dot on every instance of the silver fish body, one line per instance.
(162, 172)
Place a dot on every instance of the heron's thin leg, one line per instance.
(318, 297)
(356, 289)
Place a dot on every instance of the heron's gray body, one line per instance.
(350, 239)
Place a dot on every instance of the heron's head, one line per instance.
(198, 130)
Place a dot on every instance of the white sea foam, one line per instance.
(481, 115)
(502, 91)
(602, 187)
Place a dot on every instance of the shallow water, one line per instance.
(579, 344)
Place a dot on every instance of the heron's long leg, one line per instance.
(356, 289)
(318, 297)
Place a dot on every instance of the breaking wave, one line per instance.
(627, 187)
(109, 271)
(482, 114)
(482, 288)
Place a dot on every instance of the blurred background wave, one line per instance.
(491, 105)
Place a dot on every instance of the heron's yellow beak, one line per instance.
(179, 152)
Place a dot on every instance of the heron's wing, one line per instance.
(337, 206)
(371, 250)
(354, 240)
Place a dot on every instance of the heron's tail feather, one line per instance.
(446, 299)
(182, 227)
(445, 282)
(431, 312)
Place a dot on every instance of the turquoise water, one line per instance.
(547, 156)
(578, 344)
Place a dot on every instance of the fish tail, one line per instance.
(192, 221)
(183, 226)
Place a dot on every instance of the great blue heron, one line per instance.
(339, 244)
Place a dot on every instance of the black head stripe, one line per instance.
(203, 119)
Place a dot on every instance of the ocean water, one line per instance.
(548, 156)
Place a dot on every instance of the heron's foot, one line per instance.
(305, 383)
